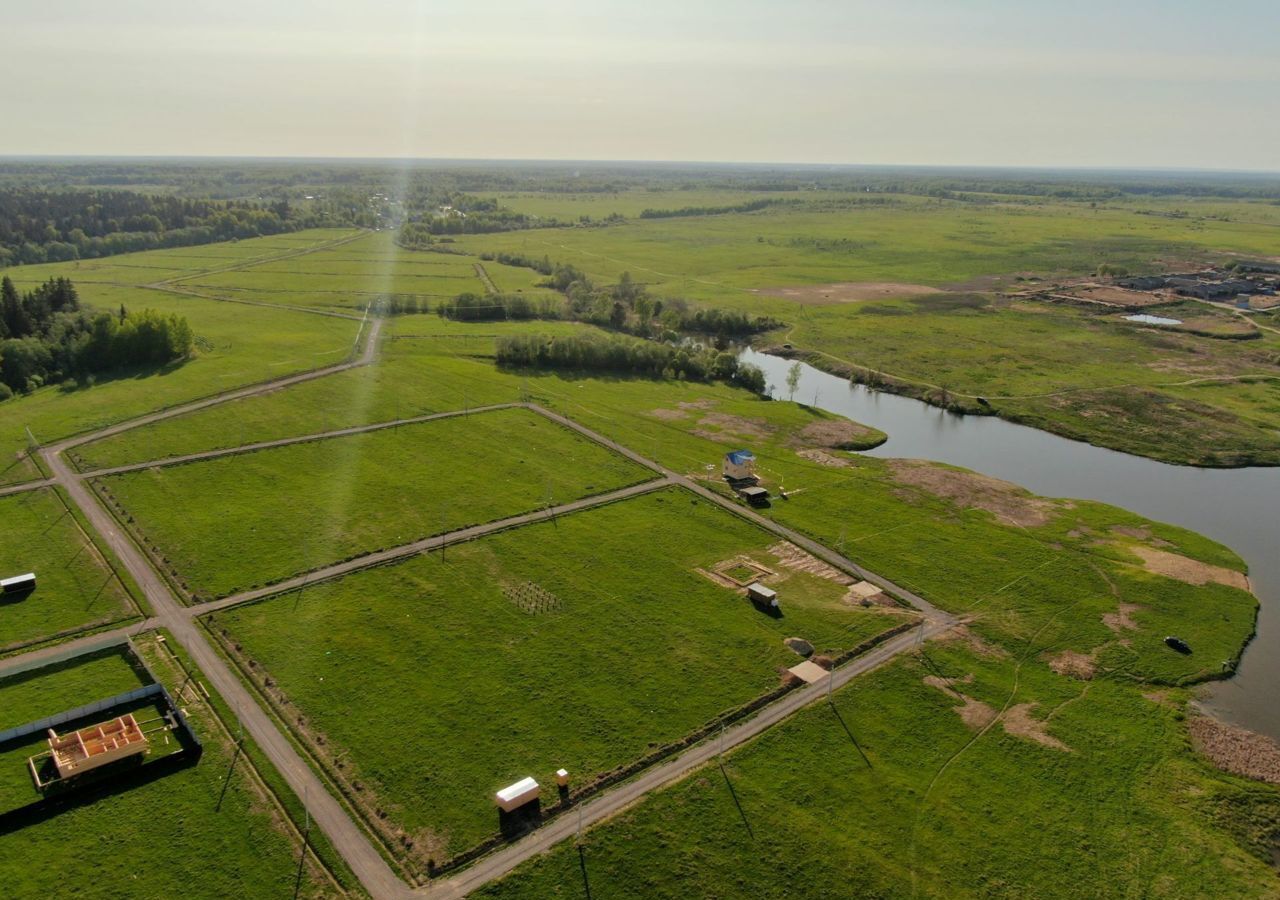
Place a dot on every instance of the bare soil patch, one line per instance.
(1122, 618)
(1236, 750)
(975, 714)
(1118, 296)
(1019, 722)
(1074, 665)
(1004, 500)
(668, 415)
(1142, 533)
(849, 291)
(836, 434)
(738, 426)
(823, 458)
(1172, 565)
(792, 557)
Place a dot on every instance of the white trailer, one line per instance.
(514, 796)
(18, 583)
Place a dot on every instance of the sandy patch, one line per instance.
(792, 557)
(668, 415)
(823, 458)
(836, 434)
(849, 291)
(1236, 750)
(974, 713)
(1159, 696)
(1019, 722)
(1122, 618)
(1005, 501)
(1074, 665)
(1171, 565)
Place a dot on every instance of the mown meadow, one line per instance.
(584, 642)
(905, 787)
(76, 589)
(229, 524)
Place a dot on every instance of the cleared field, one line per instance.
(594, 639)
(155, 265)
(204, 831)
(229, 524)
(236, 345)
(1075, 791)
(76, 589)
(425, 365)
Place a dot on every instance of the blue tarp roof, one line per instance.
(740, 457)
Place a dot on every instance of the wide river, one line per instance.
(1239, 507)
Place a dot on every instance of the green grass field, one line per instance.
(229, 524)
(76, 589)
(620, 647)
(237, 345)
(891, 794)
(209, 830)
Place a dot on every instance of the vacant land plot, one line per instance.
(236, 345)
(893, 792)
(75, 588)
(595, 638)
(209, 830)
(425, 365)
(229, 524)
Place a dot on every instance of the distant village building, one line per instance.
(740, 465)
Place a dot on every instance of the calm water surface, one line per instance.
(1238, 507)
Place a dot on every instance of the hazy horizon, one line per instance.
(992, 84)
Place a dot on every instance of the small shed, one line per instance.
(514, 796)
(740, 465)
(761, 595)
(755, 495)
(18, 583)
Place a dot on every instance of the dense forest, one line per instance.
(618, 353)
(46, 336)
(52, 226)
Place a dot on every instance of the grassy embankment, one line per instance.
(209, 830)
(76, 588)
(230, 524)
(593, 638)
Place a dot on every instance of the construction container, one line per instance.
(514, 796)
(762, 596)
(18, 583)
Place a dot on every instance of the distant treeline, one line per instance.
(39, 226)
(628, 306)
(618, 353)
(750, 206)
(47, 336)
(470, 307)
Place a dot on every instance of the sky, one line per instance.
(1063, 83)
